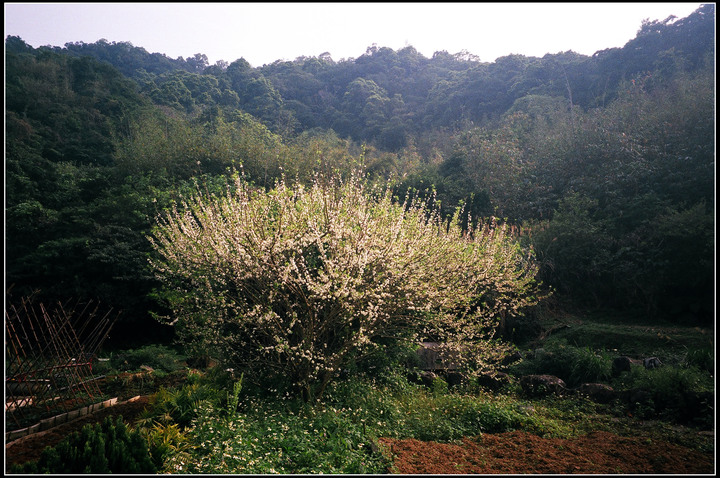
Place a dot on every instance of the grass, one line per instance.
(623, 335)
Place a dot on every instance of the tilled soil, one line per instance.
(520, 452)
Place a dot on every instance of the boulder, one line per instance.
(427, 378)
(597, 392)
(493, 381)
(454, 378)
(621, 364)
(651, 362)
(540, 385)
(512, 358)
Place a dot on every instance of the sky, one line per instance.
(265, 32)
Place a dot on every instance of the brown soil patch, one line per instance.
(522, 453)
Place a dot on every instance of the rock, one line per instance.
(427, 378)
(512, 358)
(539, 385)
(621, 364)
(651, 362)
(637, 396)
(597, 392)
(493, 381)
(454, 378)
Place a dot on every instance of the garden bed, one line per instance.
(520, 452)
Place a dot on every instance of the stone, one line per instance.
(651, 362)
(597, 392)
(621, 364)
(539, 385)
(454, 378)
(427, 378)
(493, 381)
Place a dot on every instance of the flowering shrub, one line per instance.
(292, 282)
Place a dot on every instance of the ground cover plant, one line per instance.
(242, 431)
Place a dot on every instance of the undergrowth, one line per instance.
(201, 428)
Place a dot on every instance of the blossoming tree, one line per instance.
(294, 281)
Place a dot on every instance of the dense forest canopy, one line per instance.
(605, 163)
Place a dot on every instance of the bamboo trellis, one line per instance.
(49, 356)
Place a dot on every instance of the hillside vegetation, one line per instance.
(286, 237)
(604, 163)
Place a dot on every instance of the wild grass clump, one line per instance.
(407, 410)
(678, 394)
(574, 365)
(702, 358)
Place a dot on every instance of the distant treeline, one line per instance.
(605, 162)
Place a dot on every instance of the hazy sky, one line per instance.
(264, 32)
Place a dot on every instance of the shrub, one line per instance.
(97, 449)
(405, 410)
(165, 441)
(702, 358)
(158, 357)
(181, 405)
(269, 437)
(292, 283)
(676, 393)
(574, 365)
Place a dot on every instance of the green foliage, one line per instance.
(574, 248)
(385, 361)
(626, 334)
(610, 155)
(103, 448)
(574, 365)
(182, 405)
(286, 435)
(405, 410)
(623, 212)
(159, 357)
(274, 441)
(702, 358)
(678, 394)
(165, 441)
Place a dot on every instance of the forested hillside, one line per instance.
(604, 164)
